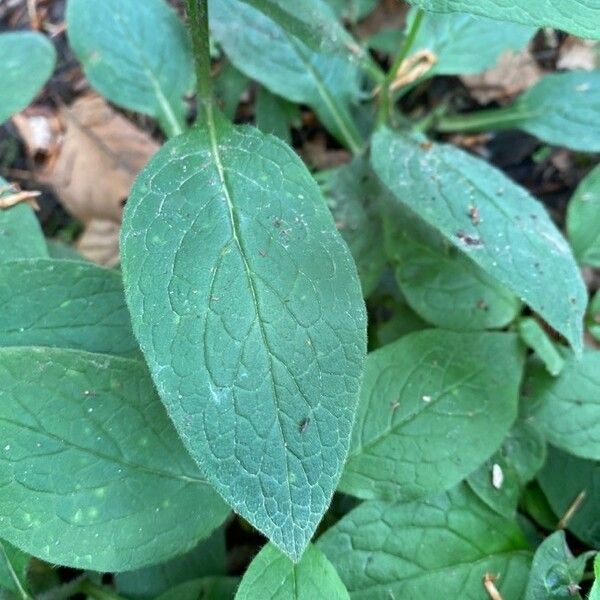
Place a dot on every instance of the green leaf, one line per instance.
(271, 575)
(66, 304)
(230, 85)
(13, 570)
(583, 220)
(312, 21)
(261, 49)
(555, 572)
(93, 475)
(441, 284)
(593, 317)
(537, 339)
(572, 485)
(62, 251)
(578, 17)
(415, 550)
(501, 479)
(464, 44)
(275, 114)
(352, 10)
(137, 54)
(353, 194)
(211, 588)
(256, 334)
(567, 408)
(207, 558)
(27, 60)
(427, 392)
(20, 232)
(561, 109)
(595, 591)
(535, 504)
(512, 239)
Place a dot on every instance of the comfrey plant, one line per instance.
(222, 373)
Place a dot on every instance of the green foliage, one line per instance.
(272, 576)
(136, 54)
(575, 16)
(27, 59)
(510, 236)
(414, 550)
(226, 368)
(101, 415)
(555, 572)
(582, 220)
(256, 340)
(400, 444)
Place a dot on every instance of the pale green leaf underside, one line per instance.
(583, 220)
(563, 478)
(261, 49)
(137, 54)
(414, 550)
(512, 238)
(555, 571)
(272, 576)
(579, 17)
(466, 44)
(440, 283)
(567, 407)
(93, 475)
(20, 232)
(66, 304)
(427, 392)
(26, 62)
(255, 331)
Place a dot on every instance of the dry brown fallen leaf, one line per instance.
(575, 53)
(91, 165)
(99, 242)
(514, 73)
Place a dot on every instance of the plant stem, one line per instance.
(198, 22)
(384, 105)
(481, 120)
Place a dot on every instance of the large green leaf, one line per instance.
(428, 392)
(26, 62)
(512, 237)
(353, 195)
(353, 10)
(555, 572)
(432, 549)
(501, 479)
(583, 220)
(137, 54)
(572, 485)
(13, 570)
(20, 232)
(275, 114)
(255, 330)
(561, 109)
(211, 588)
(465, 44)
(441, 284)
(92, 472)
(64, 303)
(272, 576)
(567, 408)
(207, 558)
(579, 17)
(261, 49)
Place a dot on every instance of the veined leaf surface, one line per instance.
(254, 329)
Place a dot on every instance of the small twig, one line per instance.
(34, 17)
(18, 197)
(490, 586)
(566, 519)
